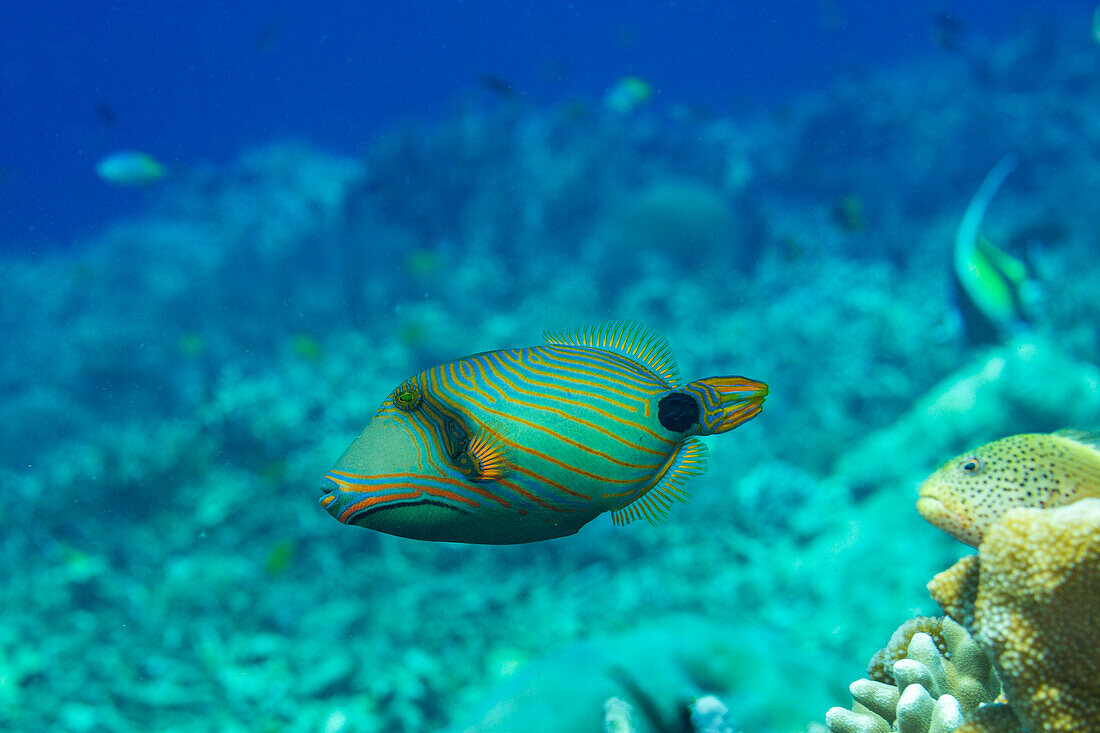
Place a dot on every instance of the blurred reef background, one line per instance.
(176, 381)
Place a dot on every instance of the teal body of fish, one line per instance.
(529, 444)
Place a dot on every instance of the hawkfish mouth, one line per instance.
(939, 514)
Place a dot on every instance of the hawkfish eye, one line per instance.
(973, 464)
(407, 396)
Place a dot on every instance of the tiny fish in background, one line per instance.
(992, 287)
(130, 168)
(498, 85)
(105, 114)
(970, 493)
(627, 95)
(522, 445)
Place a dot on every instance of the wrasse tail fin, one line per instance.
(726, 402)
(690, 460)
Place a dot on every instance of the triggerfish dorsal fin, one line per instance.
(627, 338)
(689, 460)
(484, 458)
(726, 402)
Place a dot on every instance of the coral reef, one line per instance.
(650, 679)
(934, 683)
(1030, 599)
(980, 401)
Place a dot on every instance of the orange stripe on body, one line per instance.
(619, 384)
(536, 362)
(531, 497)
(643, 376)
(539, 454)
(526, 449)
(586, 405)
(581, 421)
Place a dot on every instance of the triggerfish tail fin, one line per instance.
(726, 402)
(653, 504)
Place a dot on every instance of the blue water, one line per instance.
(197, 82)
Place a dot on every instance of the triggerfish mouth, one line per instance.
(530, 444)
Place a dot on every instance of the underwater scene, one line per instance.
(683, 367)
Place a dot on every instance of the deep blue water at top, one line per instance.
(200, 80)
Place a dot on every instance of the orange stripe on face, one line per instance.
(416, 493)
(426, 486)
(371, 501)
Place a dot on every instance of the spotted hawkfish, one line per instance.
(970, 493)
(530, 444)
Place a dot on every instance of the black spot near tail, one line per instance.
(678, 412)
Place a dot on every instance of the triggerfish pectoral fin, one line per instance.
(484, 459)
(726, 402)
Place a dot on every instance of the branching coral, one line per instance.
(1030, 598)
(940, 676)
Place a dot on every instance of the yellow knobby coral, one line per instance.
(1032, 595)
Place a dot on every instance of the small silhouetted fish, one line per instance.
(267, 37)
(947, 31)
(105, 114)
(498, 86)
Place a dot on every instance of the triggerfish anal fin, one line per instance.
(726, 402)
(987, 279)
(627, 338)
(690, 460)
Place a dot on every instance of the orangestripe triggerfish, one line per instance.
(529, 444)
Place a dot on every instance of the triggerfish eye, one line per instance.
(407, 396)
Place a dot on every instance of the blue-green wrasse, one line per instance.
(130, 168)
(992, 286)
(529, 444)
